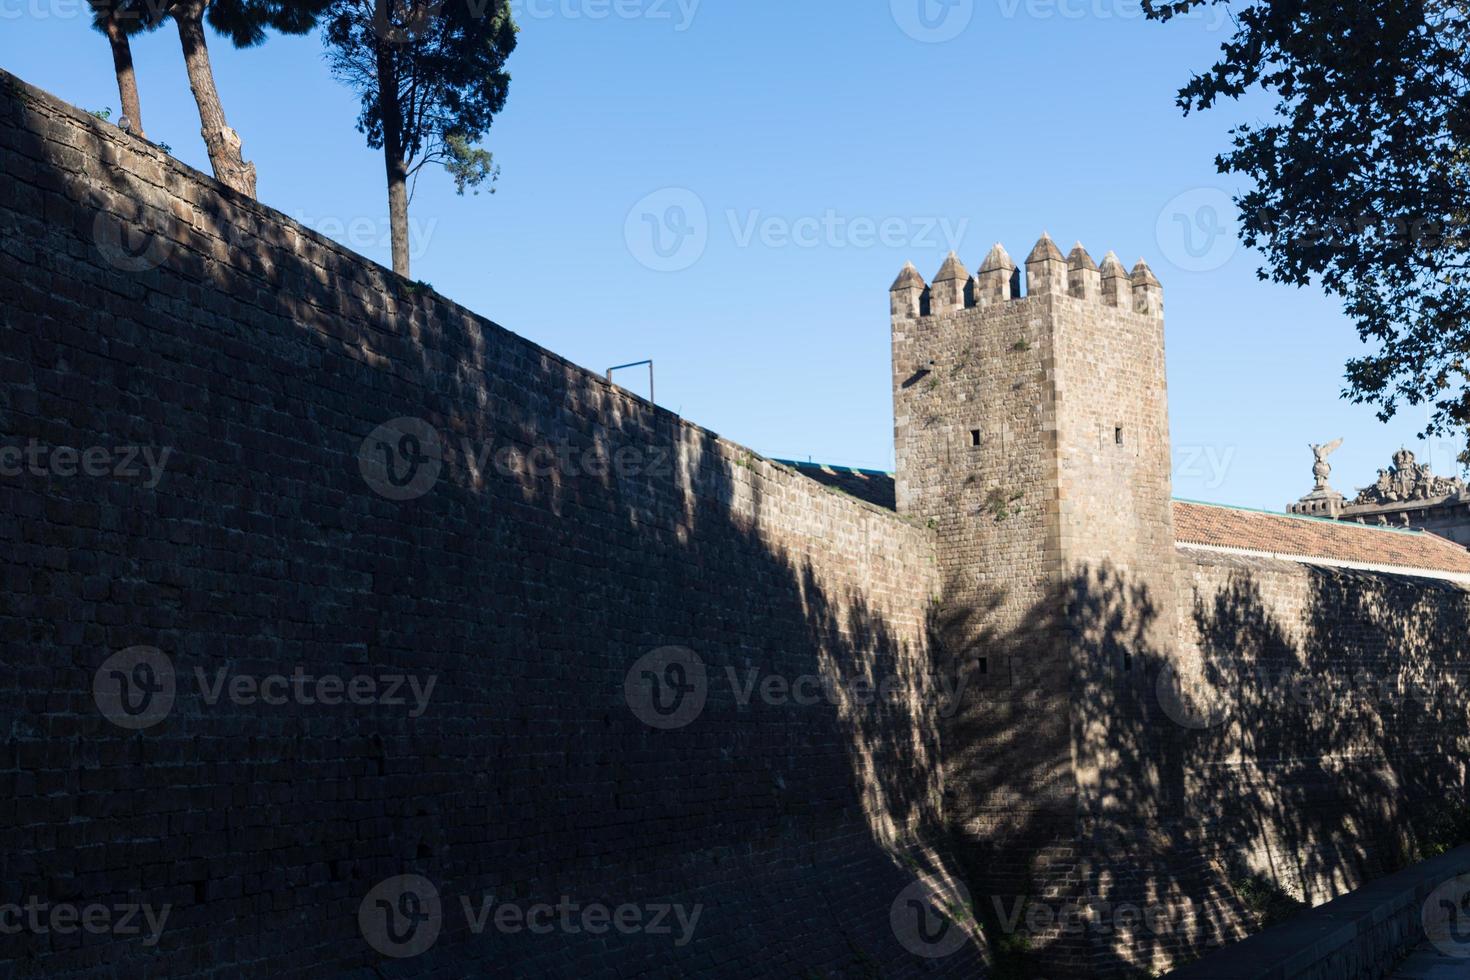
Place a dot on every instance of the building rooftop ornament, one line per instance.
(1406, 495)
(1323, 501)
(1408, 480)
(1322, 469)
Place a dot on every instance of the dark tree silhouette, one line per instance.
(431, 77)
(1361, 177)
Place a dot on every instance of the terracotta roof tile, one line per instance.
(1289, 535)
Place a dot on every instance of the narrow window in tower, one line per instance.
(1127, 661)
(1118, 435)
(984, 665)
(974, 438)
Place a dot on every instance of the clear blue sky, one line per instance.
(825, 142)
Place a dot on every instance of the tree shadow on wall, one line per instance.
(265, 357)
(158, 310)
(1071, 785)
(1275, 758)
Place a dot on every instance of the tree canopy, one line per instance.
(1361, 177)
(431, 76)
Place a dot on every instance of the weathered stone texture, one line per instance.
(262, 355)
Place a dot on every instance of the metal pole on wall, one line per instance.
(636, 364)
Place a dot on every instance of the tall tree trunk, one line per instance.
(127, 80)
(220, 140)
(393, 161)
(398, 209)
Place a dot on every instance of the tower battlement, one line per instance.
(1031, 431)
(1048, 272)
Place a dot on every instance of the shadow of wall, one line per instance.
(146, 307)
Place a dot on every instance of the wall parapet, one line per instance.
(1359, 936)
(999, 281)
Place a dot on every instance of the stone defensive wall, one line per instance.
(345, 631)
(333, 612)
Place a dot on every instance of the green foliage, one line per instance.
(1267, 902)
(1012, 953)
(103, 114)
(131, 16)
(470, 166)
(1361, 176)
(430, 76)
(245, 22)
(1021, 345)
(1446, 828)
(999, 503)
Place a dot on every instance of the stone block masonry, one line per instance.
(1091, 765)
(428, 652)
(345, 632)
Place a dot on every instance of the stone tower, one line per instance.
(1032, 433)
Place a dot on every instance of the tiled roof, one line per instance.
(1291, 536)
(874, 486)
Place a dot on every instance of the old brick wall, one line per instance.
(1317, 728)
(975, 444)
(1336, 716)
(526, 543)
(1033, 432)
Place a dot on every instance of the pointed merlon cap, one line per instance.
(1112, 268)
(998, 259)
(909, 278)
(1142, 275)
(1045, 251)
(952, 269)
(1079, 259)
